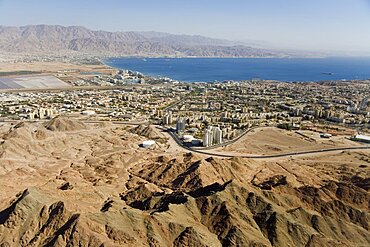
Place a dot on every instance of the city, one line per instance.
(193, 123)
(206, 114)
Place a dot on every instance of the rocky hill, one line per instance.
(95, 186)
(46, 39)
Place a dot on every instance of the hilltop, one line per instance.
(65, 184)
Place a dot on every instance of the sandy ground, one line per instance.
(50, 67)
(34, 155)
(125, 195)
(267, 141)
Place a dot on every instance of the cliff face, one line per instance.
(45, 39)
(94, 186)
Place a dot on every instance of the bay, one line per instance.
(221, 69)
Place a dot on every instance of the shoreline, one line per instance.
(324, 75)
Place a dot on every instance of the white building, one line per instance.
(167, 119)
(217, 135)
(208, 138)
(212, 136)
(88, 113)
(361, 138)
(43, 113)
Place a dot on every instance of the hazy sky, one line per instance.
(303, 24)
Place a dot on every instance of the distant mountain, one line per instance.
(47, 39)
(196, 40)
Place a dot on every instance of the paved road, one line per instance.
(266, 156)
(180, 144)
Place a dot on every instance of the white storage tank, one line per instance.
(188, 138)
(148, 144)
(88, 113)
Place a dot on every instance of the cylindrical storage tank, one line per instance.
(88, 113)
(148, 144)
(188, 138)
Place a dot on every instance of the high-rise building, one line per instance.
(180, 124)
(212, 136)
(167, 118)
(159, 113)
(217, 136)
(208, 138)
(170, 118)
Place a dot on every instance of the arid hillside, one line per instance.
(68, 183)
(59, 40)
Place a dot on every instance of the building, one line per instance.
(88, 113)
(207, 138)
(43, 113)
(361, 138)
(325, 135)
(217, 135)
(167, 119)
(159, 113)
(212, 136)
(180, 125)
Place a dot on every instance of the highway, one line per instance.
(201, 151)
(328, 150)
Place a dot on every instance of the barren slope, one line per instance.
(92, 185)
(270, 140)
(54, 39)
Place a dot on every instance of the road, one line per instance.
(328, 150)
(200, 151)
(180, 144)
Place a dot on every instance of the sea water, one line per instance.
(221, 69)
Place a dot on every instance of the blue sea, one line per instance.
(221, 69)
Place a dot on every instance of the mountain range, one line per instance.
(54, 39)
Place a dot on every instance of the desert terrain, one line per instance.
(56, 74)
(50, 67)
(69, 183)
(271, 140)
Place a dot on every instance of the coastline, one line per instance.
(241, 69)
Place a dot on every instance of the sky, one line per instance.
(342, 25)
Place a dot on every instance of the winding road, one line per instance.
(328, 150)
(201, 151)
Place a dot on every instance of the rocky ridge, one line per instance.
(49, 39)
(110, 195)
